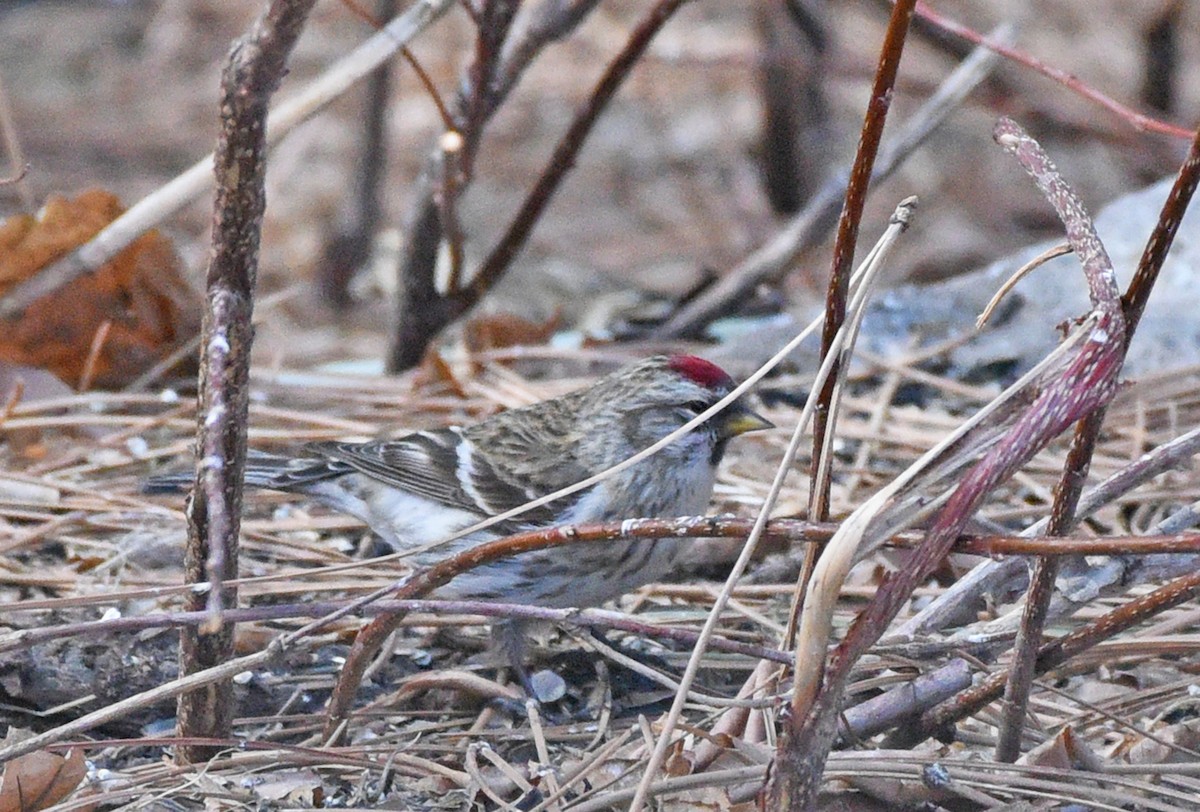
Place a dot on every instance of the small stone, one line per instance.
(548, 686)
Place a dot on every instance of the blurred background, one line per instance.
(738, 111)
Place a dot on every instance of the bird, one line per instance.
(421, 488)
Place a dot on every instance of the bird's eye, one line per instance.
(696, 406)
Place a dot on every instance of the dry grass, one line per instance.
(82, 543)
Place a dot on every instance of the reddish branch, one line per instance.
(1041, 588)
(847, 231)
(1066, 498)
(255, 68)
(1081, 234)
(792, 784)
(1087, 382)
(1141, 122)
(785, 532)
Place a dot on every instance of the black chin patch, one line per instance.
(718, 451)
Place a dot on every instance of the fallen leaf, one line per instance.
(40, 779)
(104, 328)
(498, 330)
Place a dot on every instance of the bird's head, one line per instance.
(653, 397)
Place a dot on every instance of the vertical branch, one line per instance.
(793, 782)
(1041, 587)
(848, 224)
(255, 67)
(479, 98)
(793, 68)
(423, 311)
(350, 247)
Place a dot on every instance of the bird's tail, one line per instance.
(263, 470)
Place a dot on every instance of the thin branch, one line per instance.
(565, 152)
(1017, 275)
(255, 68)
(425, 312)
(904, 702)
(847, 235)
(785, 532)
(552, 21)
(375, 634)
(1067, 80)
(349, 247)
(479, 100)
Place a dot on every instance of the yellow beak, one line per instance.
(739, 420)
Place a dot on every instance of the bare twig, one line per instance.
(255, 68)
(550, 22)
(424, 311)
(847, 234)
(369, 639)
(905, 702)
(346, 250)
(1137, 120)
(1017, 276)
(1053, 397)
(793, 784)
(796, 134)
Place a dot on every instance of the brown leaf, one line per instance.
(498, 330)
(140, 294)
(40, 780)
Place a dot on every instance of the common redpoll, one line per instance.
(423, 487)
